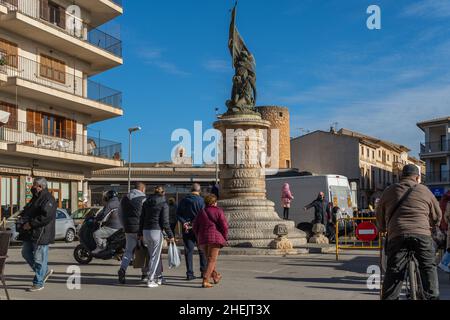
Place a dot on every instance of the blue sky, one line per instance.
(316, 57)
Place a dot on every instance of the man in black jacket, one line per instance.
(130, 213)
(320, 206)
(188, 209)
(37, 231)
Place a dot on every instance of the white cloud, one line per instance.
(217, 65)
(155, 56)
(429, 9)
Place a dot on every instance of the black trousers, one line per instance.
(190, 242)
(286, 214)
(396, 252)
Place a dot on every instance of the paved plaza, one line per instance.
(306, 277)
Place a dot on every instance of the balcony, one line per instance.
(435, 147)
(101, 11)
(438, 177)
(61, 89)
(67, 34)
(66, 147)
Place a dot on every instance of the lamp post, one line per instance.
(131, 130)
(217, 151)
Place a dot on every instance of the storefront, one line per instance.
(9, 195)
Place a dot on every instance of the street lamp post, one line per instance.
(131, 130)
(217, 152)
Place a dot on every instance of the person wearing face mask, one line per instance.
(320, 208)
(37, 231)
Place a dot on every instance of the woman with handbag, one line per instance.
(211, 230)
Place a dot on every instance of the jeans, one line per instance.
(153, 239)
(190, 242)
(397, 251)
(212, 253)
(101, 236)
(132, 242)
(37, 258)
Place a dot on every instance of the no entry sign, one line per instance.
(366, 231)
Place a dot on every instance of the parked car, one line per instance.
(64, 229)
(81, 214)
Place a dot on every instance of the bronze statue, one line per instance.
(243, 95)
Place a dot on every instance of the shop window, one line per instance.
(9, 196)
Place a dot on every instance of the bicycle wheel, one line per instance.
(412, 276)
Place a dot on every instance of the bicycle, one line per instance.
(413, 281)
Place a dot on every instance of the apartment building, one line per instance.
(435, 151)
(370, 164)
(49, 50)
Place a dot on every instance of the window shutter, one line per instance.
(70, 129)
(12, 110)
(44, 10)
(30, 120)
(11, 51)
(37, 123)
(62, 18)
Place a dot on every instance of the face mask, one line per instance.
(34, 191)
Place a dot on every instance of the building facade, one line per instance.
(49, 50)
(435, 151)
(177, 179)
(279, 119)
(369, 163)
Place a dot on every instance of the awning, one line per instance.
(4, 117)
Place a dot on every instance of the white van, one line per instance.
(305, 190)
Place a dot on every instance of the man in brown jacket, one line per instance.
(409, 227)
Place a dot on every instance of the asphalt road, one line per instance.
(311, 277)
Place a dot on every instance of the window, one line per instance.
(60, 215)
(12, 110)
(53, 69)
(51, 125)
(9, 196)
(368, 153)
(9, 51)
(373, 154)
(53, 13)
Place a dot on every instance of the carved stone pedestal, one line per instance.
(319, 235)
(251, 217)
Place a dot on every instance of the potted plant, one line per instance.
(3, 63)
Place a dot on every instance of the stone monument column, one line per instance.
(252, 218)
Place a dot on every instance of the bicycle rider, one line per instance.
(407, 212)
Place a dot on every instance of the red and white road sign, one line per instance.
(366, 231)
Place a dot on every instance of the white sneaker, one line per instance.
(48, 275)
(152, 284)
(161, 281)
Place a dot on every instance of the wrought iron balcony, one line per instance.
(68, 23)
(435, 146)
(24, 68)
(55, 136)
(438, 177)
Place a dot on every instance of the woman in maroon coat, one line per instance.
(211, 230)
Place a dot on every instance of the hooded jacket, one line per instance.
(40, 213)
(131, 209)
(155, 215)
(110, 215)
(417, 214)
(286, 196)
(211, 227)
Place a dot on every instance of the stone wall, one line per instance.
(279, 118)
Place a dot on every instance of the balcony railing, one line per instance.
(68, 23)
(438, 177)
(435, 146)
(60, 140)
(24, 68)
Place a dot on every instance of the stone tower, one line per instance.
(279, 119)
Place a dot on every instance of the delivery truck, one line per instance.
(305, 190)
